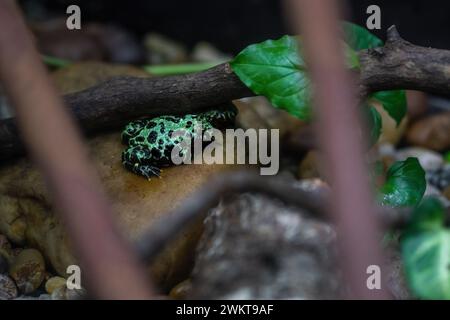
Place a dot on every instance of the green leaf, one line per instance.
(276, 70)
(429, 215)
(375, 124)
(426, 251)
(405, 184)
(426, 257)
(359, 38)
(394, 102)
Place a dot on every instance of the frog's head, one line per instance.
(222, 115)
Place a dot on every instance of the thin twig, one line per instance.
(222, 186)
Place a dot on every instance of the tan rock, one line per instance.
(181, 290)
(28, 270)
(432, 132)
(26, 214)
(8, 289)
(54, 283)
(139, 203)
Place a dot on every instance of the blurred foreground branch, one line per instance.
(397, 65)
(239, 182)
(110, 271)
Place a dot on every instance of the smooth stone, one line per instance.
(63, 293)
(206, 52)
(432, 132)
(59, 294)
(429, 160)
(26, 214)
(181, 290)
(440, 178)
(8, 289)
(163, 50)
(28, 270)
(137, 203)
(54, 283)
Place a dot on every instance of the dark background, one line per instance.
(233, 24)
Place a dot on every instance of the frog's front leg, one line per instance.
(138, 160)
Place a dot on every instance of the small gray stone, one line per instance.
(440, 178)
(8, 289)
(429, 160)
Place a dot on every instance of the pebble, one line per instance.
(28, 270)
(8, 289)
(63, 293)
(429, 160)
(54, 283)
(163, 50)
(181, 290)
(440, 178)
(432, 132)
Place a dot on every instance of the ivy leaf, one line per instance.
(425, 249)
(359, 38)
(394, 102)
(374, 124)
(429, 215)
(426, 256)
(276, 70)
(405, 184)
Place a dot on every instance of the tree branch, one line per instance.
(402, 65)
(111, 104)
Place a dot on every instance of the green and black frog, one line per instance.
(150, 141)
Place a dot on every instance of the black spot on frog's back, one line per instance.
(156, 154)
(152, 136)
(150, 124)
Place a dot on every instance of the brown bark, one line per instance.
(398, 65)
